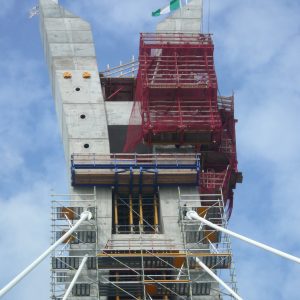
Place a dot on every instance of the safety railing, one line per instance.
(172, 71)
(128, 69)
(171, 39)
(127, 161)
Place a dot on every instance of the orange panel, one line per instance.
(178, 262)
(68, 239)
(202, 211)
(68, 212)
(151, 289)
(211, 235)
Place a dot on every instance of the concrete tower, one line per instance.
(139, 243)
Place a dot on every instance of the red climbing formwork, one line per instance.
(176, 90)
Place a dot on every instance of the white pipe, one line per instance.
(219, 280)
(180, 271)
(193, 215)
(86, 215)
(75, 277)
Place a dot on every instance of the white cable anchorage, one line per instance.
(192, 215)
(86, 215)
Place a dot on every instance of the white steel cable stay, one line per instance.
(86, 215)
(219, 280)
(75, 277)
(192, 215)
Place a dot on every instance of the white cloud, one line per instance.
(24, 236)
(30, 167)
(254, 32)
(119, 17)
(257, 45)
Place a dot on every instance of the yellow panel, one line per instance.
(67, 75)
(86, 75)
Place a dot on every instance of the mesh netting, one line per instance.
(176, 89)
(134, 132)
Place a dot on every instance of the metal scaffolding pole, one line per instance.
(75, 277)
(192, 215)
(86, 215)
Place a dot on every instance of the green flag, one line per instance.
(173, 5)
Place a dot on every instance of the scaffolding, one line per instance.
(154, 267)
(141, 266)
(201, 238)
(65, 260)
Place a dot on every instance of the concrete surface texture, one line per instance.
(188, 19)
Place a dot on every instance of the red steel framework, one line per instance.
(176, 89)
(177, 102)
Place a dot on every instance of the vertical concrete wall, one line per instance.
(69, 47)
(188, 19)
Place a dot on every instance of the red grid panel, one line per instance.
(212, 182)
(176, 60)
(174, 40)
(176, 87)
(180, 110)
(228, 138)
(215, 182)
(169, 69)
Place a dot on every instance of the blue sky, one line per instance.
(257, 45)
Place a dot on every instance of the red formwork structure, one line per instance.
(176, 89)
(177, 103)
(219, 164)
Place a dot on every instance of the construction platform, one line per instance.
(135, 170)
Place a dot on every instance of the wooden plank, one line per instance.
(108, 177)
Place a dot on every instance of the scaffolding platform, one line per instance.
(165, 260)
(135, 170)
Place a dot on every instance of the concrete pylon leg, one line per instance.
(71, 58)
(188, 19)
